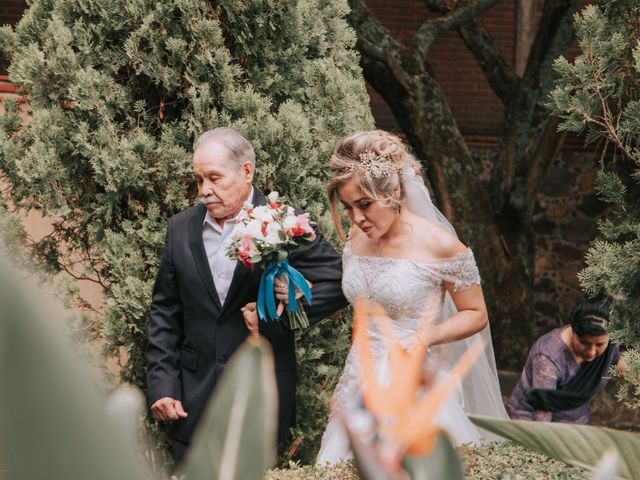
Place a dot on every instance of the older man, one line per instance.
(196, 319)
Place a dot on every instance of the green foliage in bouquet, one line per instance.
(117, 92)
(597, 96)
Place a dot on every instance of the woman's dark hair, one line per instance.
(590, 316)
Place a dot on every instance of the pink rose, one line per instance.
(246, 251)
(303, 227)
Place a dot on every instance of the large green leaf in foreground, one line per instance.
(442, 462)
(236, 439)
(53, 424)
(579, 445)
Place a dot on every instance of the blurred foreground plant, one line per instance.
(610, 454)
(402, 438)
(55, 424)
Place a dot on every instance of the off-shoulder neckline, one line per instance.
(460, 255)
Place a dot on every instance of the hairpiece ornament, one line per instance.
(375, 166)
(595, 320)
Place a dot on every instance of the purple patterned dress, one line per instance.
(550, 363)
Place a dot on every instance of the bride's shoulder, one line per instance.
(436, 241)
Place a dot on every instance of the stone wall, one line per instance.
(566, 217)
(565, 222)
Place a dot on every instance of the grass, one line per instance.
(492, 460)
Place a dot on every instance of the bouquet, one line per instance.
(265, 236)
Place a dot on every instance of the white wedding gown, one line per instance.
(405, 290)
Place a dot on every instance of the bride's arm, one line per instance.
(471, 318)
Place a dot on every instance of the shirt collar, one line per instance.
(212, 221)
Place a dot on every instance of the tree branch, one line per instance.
(515, 158)
(432, 29)
(366, 27)
(548, 145)
(554, 14)
(376, 43)
(497, 71)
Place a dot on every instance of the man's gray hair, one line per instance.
(240, 148)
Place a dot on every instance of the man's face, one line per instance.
(223, 185)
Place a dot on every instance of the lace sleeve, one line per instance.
(461, 271)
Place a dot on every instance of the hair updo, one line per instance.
(375, 160)
(590, 317)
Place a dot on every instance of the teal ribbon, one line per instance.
(266, 303)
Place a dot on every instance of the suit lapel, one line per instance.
(241, 272)
(200, 254)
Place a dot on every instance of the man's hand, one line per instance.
(250, 314)
(168, 408)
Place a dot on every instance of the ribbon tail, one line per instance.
(260, 304)
(272, 271)
(298, 280)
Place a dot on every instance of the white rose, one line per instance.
(263, 214)
(273, 197)
(273, 234)
(238, 230)
(289, 222)
(254, 229)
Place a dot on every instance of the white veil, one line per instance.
(481, 389)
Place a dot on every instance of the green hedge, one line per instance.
(504, 460)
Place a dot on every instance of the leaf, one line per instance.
(52, 416)
(442, 462)
(607, 468)
(579, 445)
(366, 458)
(237, 434)
(125, 406)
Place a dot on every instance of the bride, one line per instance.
(404, 255)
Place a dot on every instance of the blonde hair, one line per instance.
(375, 160)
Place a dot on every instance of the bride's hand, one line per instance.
(281, 291)
(417, 341)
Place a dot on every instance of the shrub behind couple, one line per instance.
(400, 253)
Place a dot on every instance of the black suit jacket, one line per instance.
(191, 335)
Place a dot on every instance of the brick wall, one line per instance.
(474, 105)
(10, 13)
(477, 110)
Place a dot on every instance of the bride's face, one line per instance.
(368, 214)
